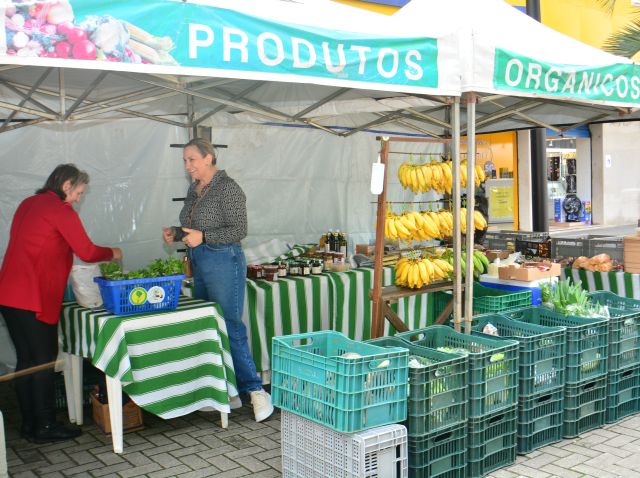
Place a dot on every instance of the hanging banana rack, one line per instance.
(382, 296)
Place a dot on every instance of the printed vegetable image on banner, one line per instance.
(619, 82)
(192, 35)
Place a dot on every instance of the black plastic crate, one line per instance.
(534, 248)
(623, 393)
(569, 247)
(540, 419)
(612, 246)
(91, 376)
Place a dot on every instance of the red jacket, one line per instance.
(45, 233)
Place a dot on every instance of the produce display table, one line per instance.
(330, 301)
(169, 363)
(621, 283)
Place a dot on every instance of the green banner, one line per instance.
(194, 35)
(615, 82)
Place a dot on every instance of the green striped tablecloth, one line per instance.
(170, 363)
(621, 283)
(330, 301)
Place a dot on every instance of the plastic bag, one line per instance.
(86, 291)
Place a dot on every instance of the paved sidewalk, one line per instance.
(195, 446)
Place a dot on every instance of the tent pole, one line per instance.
(62, 92)
(471, 164)
(457, 271)
(377, 327)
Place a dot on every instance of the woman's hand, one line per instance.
(192, 237)
(117, 253)
(167, 235)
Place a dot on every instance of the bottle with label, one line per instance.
(343, 243)
(336, 241)
(329, 242)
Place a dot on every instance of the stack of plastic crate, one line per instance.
(541, 378)
(623, 380)
(437, 411)
(341, 403)
(492, 384)
(586, 366)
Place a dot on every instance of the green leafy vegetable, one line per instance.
(170, 266)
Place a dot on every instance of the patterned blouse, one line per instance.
(220, 211)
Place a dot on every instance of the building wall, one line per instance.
(616, 173)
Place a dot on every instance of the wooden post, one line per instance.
(377, 326)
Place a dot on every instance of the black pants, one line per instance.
(36, 343)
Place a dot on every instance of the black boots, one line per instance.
(54, 431)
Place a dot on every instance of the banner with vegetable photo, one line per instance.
(165, 36)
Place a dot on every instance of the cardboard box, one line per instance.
(492, 255)
(366, 249)
(632, 254)
(529, 271)
(131, 416)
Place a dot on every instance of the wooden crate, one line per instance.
(632, 254)
(131, 416)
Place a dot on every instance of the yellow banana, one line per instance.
(393, 232)
(426, 172)
(422, 184)
(424, 273)
(430, 269)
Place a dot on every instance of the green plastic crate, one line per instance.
(540, 419)
(623, 393)
(486, 300)
(437, 392)
(312, 379)
(442, 454)
(493, 365)
(584, 406)
(541, 351)
(492, 442)
(624, 328)
(587, 341)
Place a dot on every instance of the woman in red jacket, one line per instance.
(45, 233)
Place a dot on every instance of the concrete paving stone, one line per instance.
(85, 468)
(571, 460)
(194, 461)
(602, 461)
(108, 470)
(235, 473)
(529, 472)
(160, 439)
(635, 434)
(29, 466)
(167, 461)
(182, 431)
(253, 464)
(580, 450)
(591, 440)
(162, 449)
(135, 448)
(218, 450)
(275, 463)
(540, 460)
(185, 439)
(251, 450)
(25, 474)
(273, 453)
(202, 473)
(605, 432)
(503, 473)
(230, 432)
(55, 474)
(613, 450)
(169, 472)
(238, 441)
(270, 473)
(109, 458)
(140, 470)
(631, 462)
(30, 455)
(55, 468)
(620, 441)
(82, 457)
(223, 462)
(560, 471)
(189, 451)
(136, 458)
(591, 471)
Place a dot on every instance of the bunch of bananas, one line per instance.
(436, 175)
(418, 272)
(426, 225)
(480, 262)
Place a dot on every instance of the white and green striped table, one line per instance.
(330, 301)
(169, 363)
(621, 283)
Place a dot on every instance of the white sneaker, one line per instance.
(235, 402)
(262, 406)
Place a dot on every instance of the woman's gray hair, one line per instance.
(62, 173)
(203, 146)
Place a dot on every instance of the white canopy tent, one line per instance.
(243, 67)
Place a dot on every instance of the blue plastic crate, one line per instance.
(137, 296)
(312, 378)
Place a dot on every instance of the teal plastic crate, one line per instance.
(587, 341)
(493, 365)
(540, 419)
(442, 454)
(312, 378)
(486, 300)
(584, 406)
(623, 393)
(492, 442)
(541, 351)
(437, 391)
(624, 328)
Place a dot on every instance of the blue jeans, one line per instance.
(219, 275)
